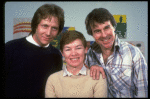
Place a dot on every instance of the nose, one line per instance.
(73, 52)
(103, 34)
(48, 32)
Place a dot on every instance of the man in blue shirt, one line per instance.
(124, 65)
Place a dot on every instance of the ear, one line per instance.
(114, 28)
(86, 49)
(62, 53)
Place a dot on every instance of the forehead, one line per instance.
(50, 20)
(96, 24)
(74, 43)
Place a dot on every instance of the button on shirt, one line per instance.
(81, 72)
(126, 69)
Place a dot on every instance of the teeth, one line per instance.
(74, 58)
(106, 39)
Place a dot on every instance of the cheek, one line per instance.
(96, 36)
(82, 55)
(54, 35)
(111, 31)
(40, 30)
(66, 55)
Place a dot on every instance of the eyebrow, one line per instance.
(69, 47)
(44, 24)
(107, 26)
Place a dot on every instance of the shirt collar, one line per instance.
(67, 73)
(97, 48)
(31, 40)
(117, 43)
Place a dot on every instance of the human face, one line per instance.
(74, 54)
(104, 34)
(46, 31)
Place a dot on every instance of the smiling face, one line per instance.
(46, 31)
(74, 54)
(104, 34)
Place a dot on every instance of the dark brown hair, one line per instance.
(99, 15)
(45, 11)
(70, 36)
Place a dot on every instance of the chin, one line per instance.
(74, 65)
(45, 43)
(108, 46)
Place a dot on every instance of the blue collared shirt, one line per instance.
(126, 69)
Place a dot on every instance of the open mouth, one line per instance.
(74, 59)
(106, 40)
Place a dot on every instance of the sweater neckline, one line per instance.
(31, 40)
(35, 46)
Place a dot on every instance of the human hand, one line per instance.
(95, 72)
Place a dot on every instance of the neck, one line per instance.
(107, 51)
(74, 70)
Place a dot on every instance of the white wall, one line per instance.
(76, 12)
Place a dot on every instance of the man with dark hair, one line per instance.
(30, 60)
(124, 65)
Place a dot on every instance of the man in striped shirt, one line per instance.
(124, 65)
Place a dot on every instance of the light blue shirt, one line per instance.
(126, 69)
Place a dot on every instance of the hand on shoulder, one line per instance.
(95, 71)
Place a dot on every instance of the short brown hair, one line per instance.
(45, 11)
(70, 36)
(99, 15)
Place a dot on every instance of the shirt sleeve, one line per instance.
(91, 58)
(59, 62)
(100, 90)
(8, 58)
(6, 67)
(140, 77)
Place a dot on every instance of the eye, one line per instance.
(97, 31)
(68, 49)
(107, 27)
(44, 26)
(79, 48)
(55, 28)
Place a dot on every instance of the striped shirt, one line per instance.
(126, 69)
